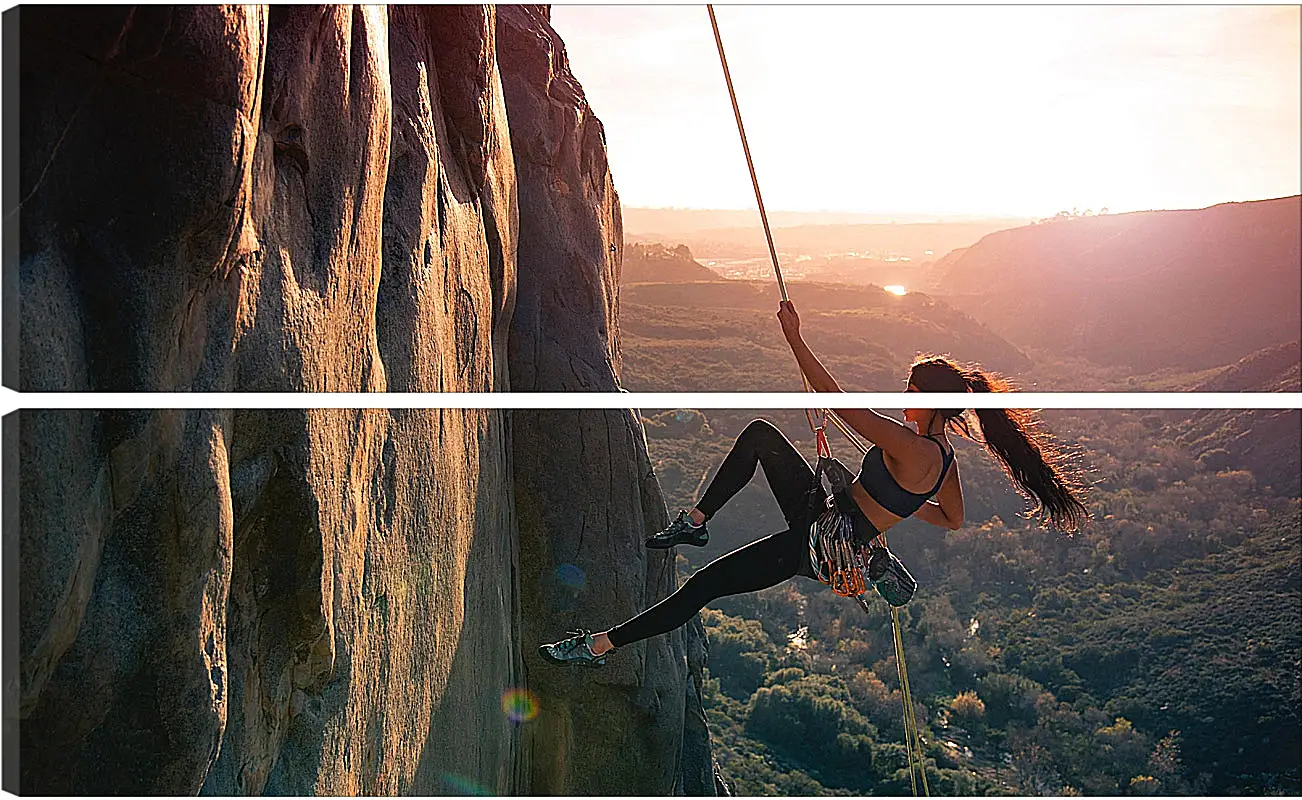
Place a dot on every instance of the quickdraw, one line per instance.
(835, 555)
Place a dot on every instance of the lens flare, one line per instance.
(571, 576)
(463, 786)
(519, 705)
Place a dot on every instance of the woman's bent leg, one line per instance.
(759, 565)
(788, 474)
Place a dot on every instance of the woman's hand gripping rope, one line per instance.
(790, 321)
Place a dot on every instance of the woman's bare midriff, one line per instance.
(878, 516)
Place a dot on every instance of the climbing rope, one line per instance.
(841, 565)
(912, 739)
(745, 146)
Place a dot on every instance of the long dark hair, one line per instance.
(1010, 435)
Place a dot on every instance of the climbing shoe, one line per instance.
(680, 531)
(575, 650)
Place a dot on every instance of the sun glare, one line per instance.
(896, 289)
(988, 110)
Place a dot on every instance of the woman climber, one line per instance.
(905, 473)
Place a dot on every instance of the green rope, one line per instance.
(912, 739)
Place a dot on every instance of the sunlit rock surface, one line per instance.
(265, 601)
(339, 602)
(264, 199)
(585, 491)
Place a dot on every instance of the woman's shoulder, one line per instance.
(946, 447)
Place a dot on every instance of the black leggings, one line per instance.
(758, 565)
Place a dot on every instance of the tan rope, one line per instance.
(913, 743)
(745, 146)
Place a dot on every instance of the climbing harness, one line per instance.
(837, 557)
(847, 553)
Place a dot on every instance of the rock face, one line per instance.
(581, 531)
(263, 199)
(571, 240)
(265, 601)
(326, 601)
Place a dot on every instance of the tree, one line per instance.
(740, 653)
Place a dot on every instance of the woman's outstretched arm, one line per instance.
(820, 380)
(881, 430)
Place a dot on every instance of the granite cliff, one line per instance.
(324, 198)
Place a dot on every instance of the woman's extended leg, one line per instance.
(790, 479)
(787, 472)
(759, 565)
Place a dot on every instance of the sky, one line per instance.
(993, 110)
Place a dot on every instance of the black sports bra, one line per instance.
(881, 485)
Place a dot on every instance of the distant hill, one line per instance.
(1190, 289)
(1262, 441)
(673, 221)
(724, 336)
(1271, 369)
(656, 262)
(917, 242)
